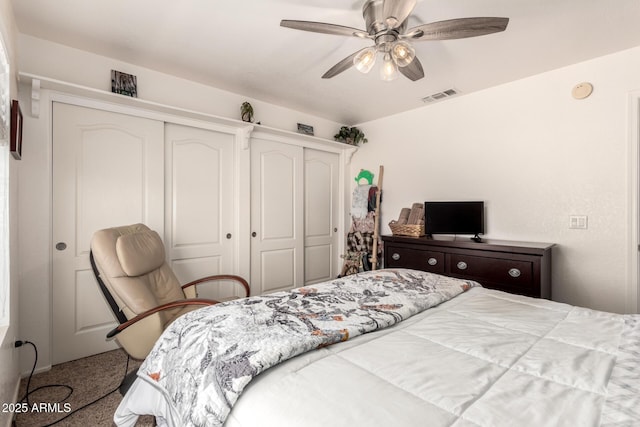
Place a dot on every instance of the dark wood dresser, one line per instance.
(517, 267)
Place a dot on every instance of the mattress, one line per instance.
(482, 358)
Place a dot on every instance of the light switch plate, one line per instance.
(578, 222)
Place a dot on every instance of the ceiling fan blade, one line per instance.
(457, 28)
(341, 66)
(397, 11)
(322, 27)
(413, 71)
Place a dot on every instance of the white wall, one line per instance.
(55, 61)
(535, 156)
(8, 354)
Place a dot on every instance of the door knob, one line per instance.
(61, 246)
(228, 235)
(254, 234)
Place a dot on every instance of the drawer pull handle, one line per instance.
(514, 272)
(462, 265)
(395, 256)
(432, 261)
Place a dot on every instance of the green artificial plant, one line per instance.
(350, 135)
(246, 111)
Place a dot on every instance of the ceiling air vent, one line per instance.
(440, 95)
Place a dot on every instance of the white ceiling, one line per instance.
(238, 45)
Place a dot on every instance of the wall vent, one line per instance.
(440, 95)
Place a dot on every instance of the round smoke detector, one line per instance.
(582, 90)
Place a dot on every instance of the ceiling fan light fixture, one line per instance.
(365, 59)
(402, 53)
(386, 25)
(389, 69)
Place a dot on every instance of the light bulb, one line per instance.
(403, 53)
(365, 59)
(389, 70)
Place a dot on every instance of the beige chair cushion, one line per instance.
(140, 253)
(103, 246)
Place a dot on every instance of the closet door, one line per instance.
(277, 204)
(321, 175)
(108, 170)
(200, 213)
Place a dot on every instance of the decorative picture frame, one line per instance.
(15, 146)
(305, 129)
(124, 84)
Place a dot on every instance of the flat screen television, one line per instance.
(454, 218)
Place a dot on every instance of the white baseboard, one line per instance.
(10, 416)
(39, 370)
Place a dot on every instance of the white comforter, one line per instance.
(485, 358)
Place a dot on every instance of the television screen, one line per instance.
(454, 218)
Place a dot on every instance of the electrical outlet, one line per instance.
(578, 222)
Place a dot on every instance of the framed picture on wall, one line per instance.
(124, 84)
(16, 130)
(305, 129)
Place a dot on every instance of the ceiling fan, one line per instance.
(386, 25)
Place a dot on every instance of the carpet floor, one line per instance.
(87, 379)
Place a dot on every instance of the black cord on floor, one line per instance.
(25, 398)
(69, 388)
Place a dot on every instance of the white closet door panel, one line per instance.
(277, 249)
(200, 205)
(97, 195)
(321, 175)
(107, 171)
(318, 185)
(278, 202)
(278, 270)
(197, 189)
(317, 263)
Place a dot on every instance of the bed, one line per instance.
(392, 347)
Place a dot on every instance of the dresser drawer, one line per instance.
(402, 257)
(493, 272)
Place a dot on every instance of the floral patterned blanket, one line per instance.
(205, 358)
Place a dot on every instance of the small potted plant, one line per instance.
(246, 111)
(350, 135)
